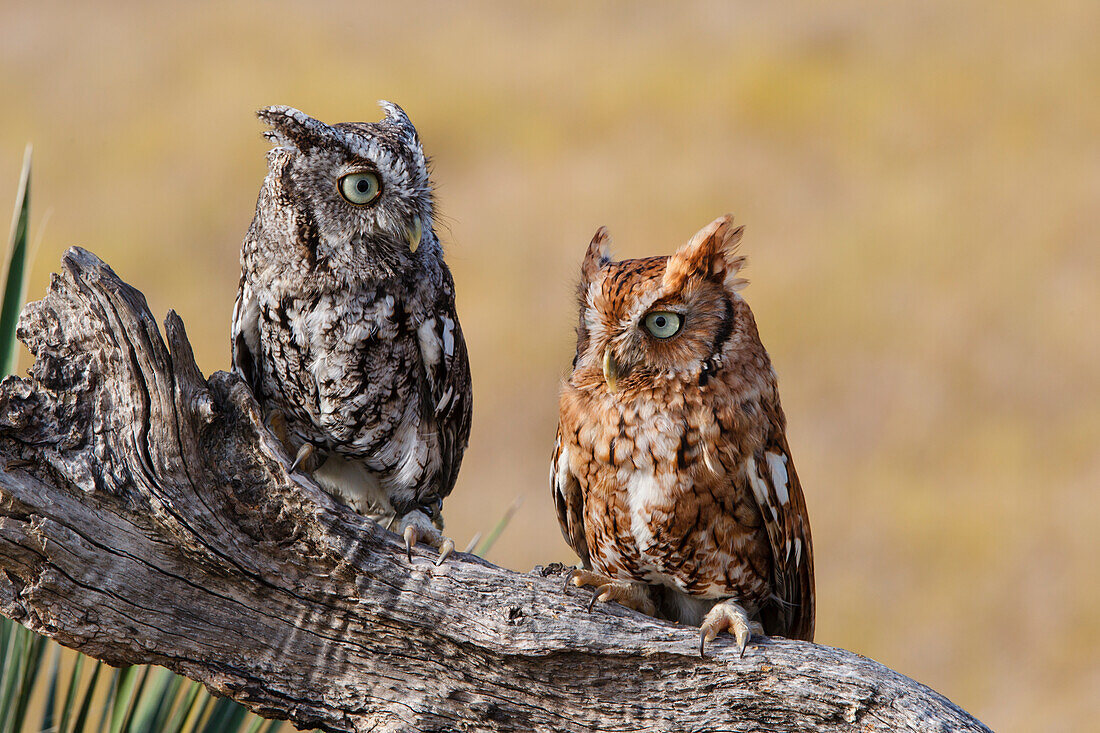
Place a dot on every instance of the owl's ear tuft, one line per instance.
(292, 128)
(711, 253)
(597, 256)
(397, 117)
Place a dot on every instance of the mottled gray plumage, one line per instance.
(345, 323)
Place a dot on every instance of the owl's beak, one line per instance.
(415, 231)
(610, 370)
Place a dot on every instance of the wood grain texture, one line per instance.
(146, 516)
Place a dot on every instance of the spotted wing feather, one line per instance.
(569, 501)
(245, 334)
(448, 391)
(783, 506)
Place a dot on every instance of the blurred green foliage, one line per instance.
(15, 270)
(136, 699)
(919, 184)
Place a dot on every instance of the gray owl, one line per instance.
(345, 323)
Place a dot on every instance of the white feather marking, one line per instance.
(444, 400)
(592, 322)
(706, 458)
(562, 469)
(640, 307)
(448, 335)
(429, 342)
(357, 333)
(246, 319)
(407, 446)
(554, 466)
(797, 550)
(643, 490)
(777, 463)
(760, 488)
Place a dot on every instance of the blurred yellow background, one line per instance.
(920, 183)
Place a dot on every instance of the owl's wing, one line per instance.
(779, 494)
(569, 501)
(245, 335)
(447, 367)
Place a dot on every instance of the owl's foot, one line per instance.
(415, 527)
(731, 617)
(629, 593)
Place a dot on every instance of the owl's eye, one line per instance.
(360, 188)
(663, 324)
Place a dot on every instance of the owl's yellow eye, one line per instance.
(663, 324)
(360, 188)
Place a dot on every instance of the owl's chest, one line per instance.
(342, 365)
(664, 503)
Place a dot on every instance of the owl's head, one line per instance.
(662, 317)
(354, 196)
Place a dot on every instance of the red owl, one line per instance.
(671, 473)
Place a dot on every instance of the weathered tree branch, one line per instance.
(146, 516)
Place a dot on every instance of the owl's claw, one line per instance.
(304, 453)
(629, 593)
(596, 592)
(731, 617)
(445, 549)
(568, 577)
(418, 528)
(411, 536)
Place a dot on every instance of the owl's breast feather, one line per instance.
(662, 500)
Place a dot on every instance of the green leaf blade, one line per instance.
(15, 271)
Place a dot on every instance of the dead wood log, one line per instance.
(146, 516)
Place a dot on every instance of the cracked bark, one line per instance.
(146, 516)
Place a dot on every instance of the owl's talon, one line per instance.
(419, 529)
(593, 599)
(304, 453)
(446, 547)
(731, 617)
(568, 577)
(630, 593)
(411, 536)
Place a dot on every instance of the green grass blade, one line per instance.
(164, 709)
(123, 689)
(86, 704)
(115, 698)
(14, 272)
(179, 719)
(5, 634)
(48, 710)
(226, 717)
(12, 663)
(133, 699)
(112, 697)
(494, 535)
(70, 694)
(155, 702)
(255, 725)
(273, 725)
(6, 640)
(34, 649)
(204, 712)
